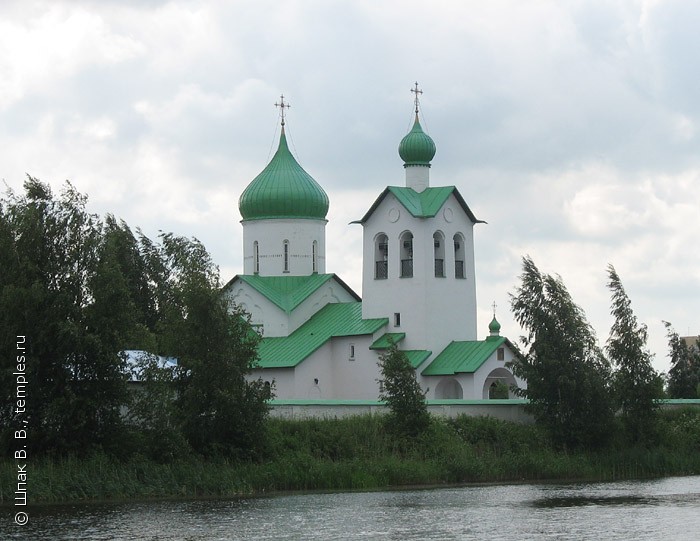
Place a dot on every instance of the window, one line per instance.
(439, 254)
(256, 258)
(459, 256)
(285, 250)
(406, 247)
(314, 257)
(501, 354)
(397, 319)
(381, 257)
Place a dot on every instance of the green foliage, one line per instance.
(83, 291)
(637, 386)
(500, 390)
(151, 410)
(57, 288)
(684, 375)
(403, 394)
(566, 373)
(358, 453)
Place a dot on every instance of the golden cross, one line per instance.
(416, 92)
(282, 107)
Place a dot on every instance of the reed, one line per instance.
(359, 454)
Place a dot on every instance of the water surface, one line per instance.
(635, 510)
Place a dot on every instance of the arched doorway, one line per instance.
(449, 388)
(496, 384)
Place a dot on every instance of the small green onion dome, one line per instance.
(283, 190)
(417, 147)
(494, 326)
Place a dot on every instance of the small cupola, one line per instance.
(494, 327)
(417, 149)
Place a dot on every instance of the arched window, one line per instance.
(439, 254)
(406, 247)
(256, 258)
(285, 255)
(314, 257)
(459, 256)
(381, 257)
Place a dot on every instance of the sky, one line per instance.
(570, 127)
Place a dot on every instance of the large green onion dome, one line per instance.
(283, 190)
(417, 147)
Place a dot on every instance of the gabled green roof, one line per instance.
(335, 319)
(283, 190)
(384, 341)
(463, 357)
(425, 204)
(417, 356)
(288, 292)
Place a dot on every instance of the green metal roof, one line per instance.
(288, 292)
(417, 147)
(425, 204)
(283, 190)
(463, 357)
(384, 341)
(335, 319)
(417, 356)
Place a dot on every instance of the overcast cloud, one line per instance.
(570, 127)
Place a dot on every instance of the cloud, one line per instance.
(571, 128)
(53, 45)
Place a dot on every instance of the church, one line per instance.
(321, 340)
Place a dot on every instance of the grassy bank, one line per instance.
(357, 453)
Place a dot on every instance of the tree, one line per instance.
(567, 375)
(151, 411)
(83, 291)
(684, 375)
(401, 391)
(54, 293)
(637, 386)
(219, 410)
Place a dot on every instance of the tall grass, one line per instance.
(358, 453)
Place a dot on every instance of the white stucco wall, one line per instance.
(271, 234)
(355, 378)
(330, 373)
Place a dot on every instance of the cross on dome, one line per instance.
(416, 92)
(282, 107)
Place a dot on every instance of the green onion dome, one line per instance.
(417, 147)
(494, 326)
(283, 190)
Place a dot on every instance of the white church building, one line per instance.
(321, 340)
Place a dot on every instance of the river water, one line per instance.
(667, 509)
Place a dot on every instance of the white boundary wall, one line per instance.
(507, 410)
